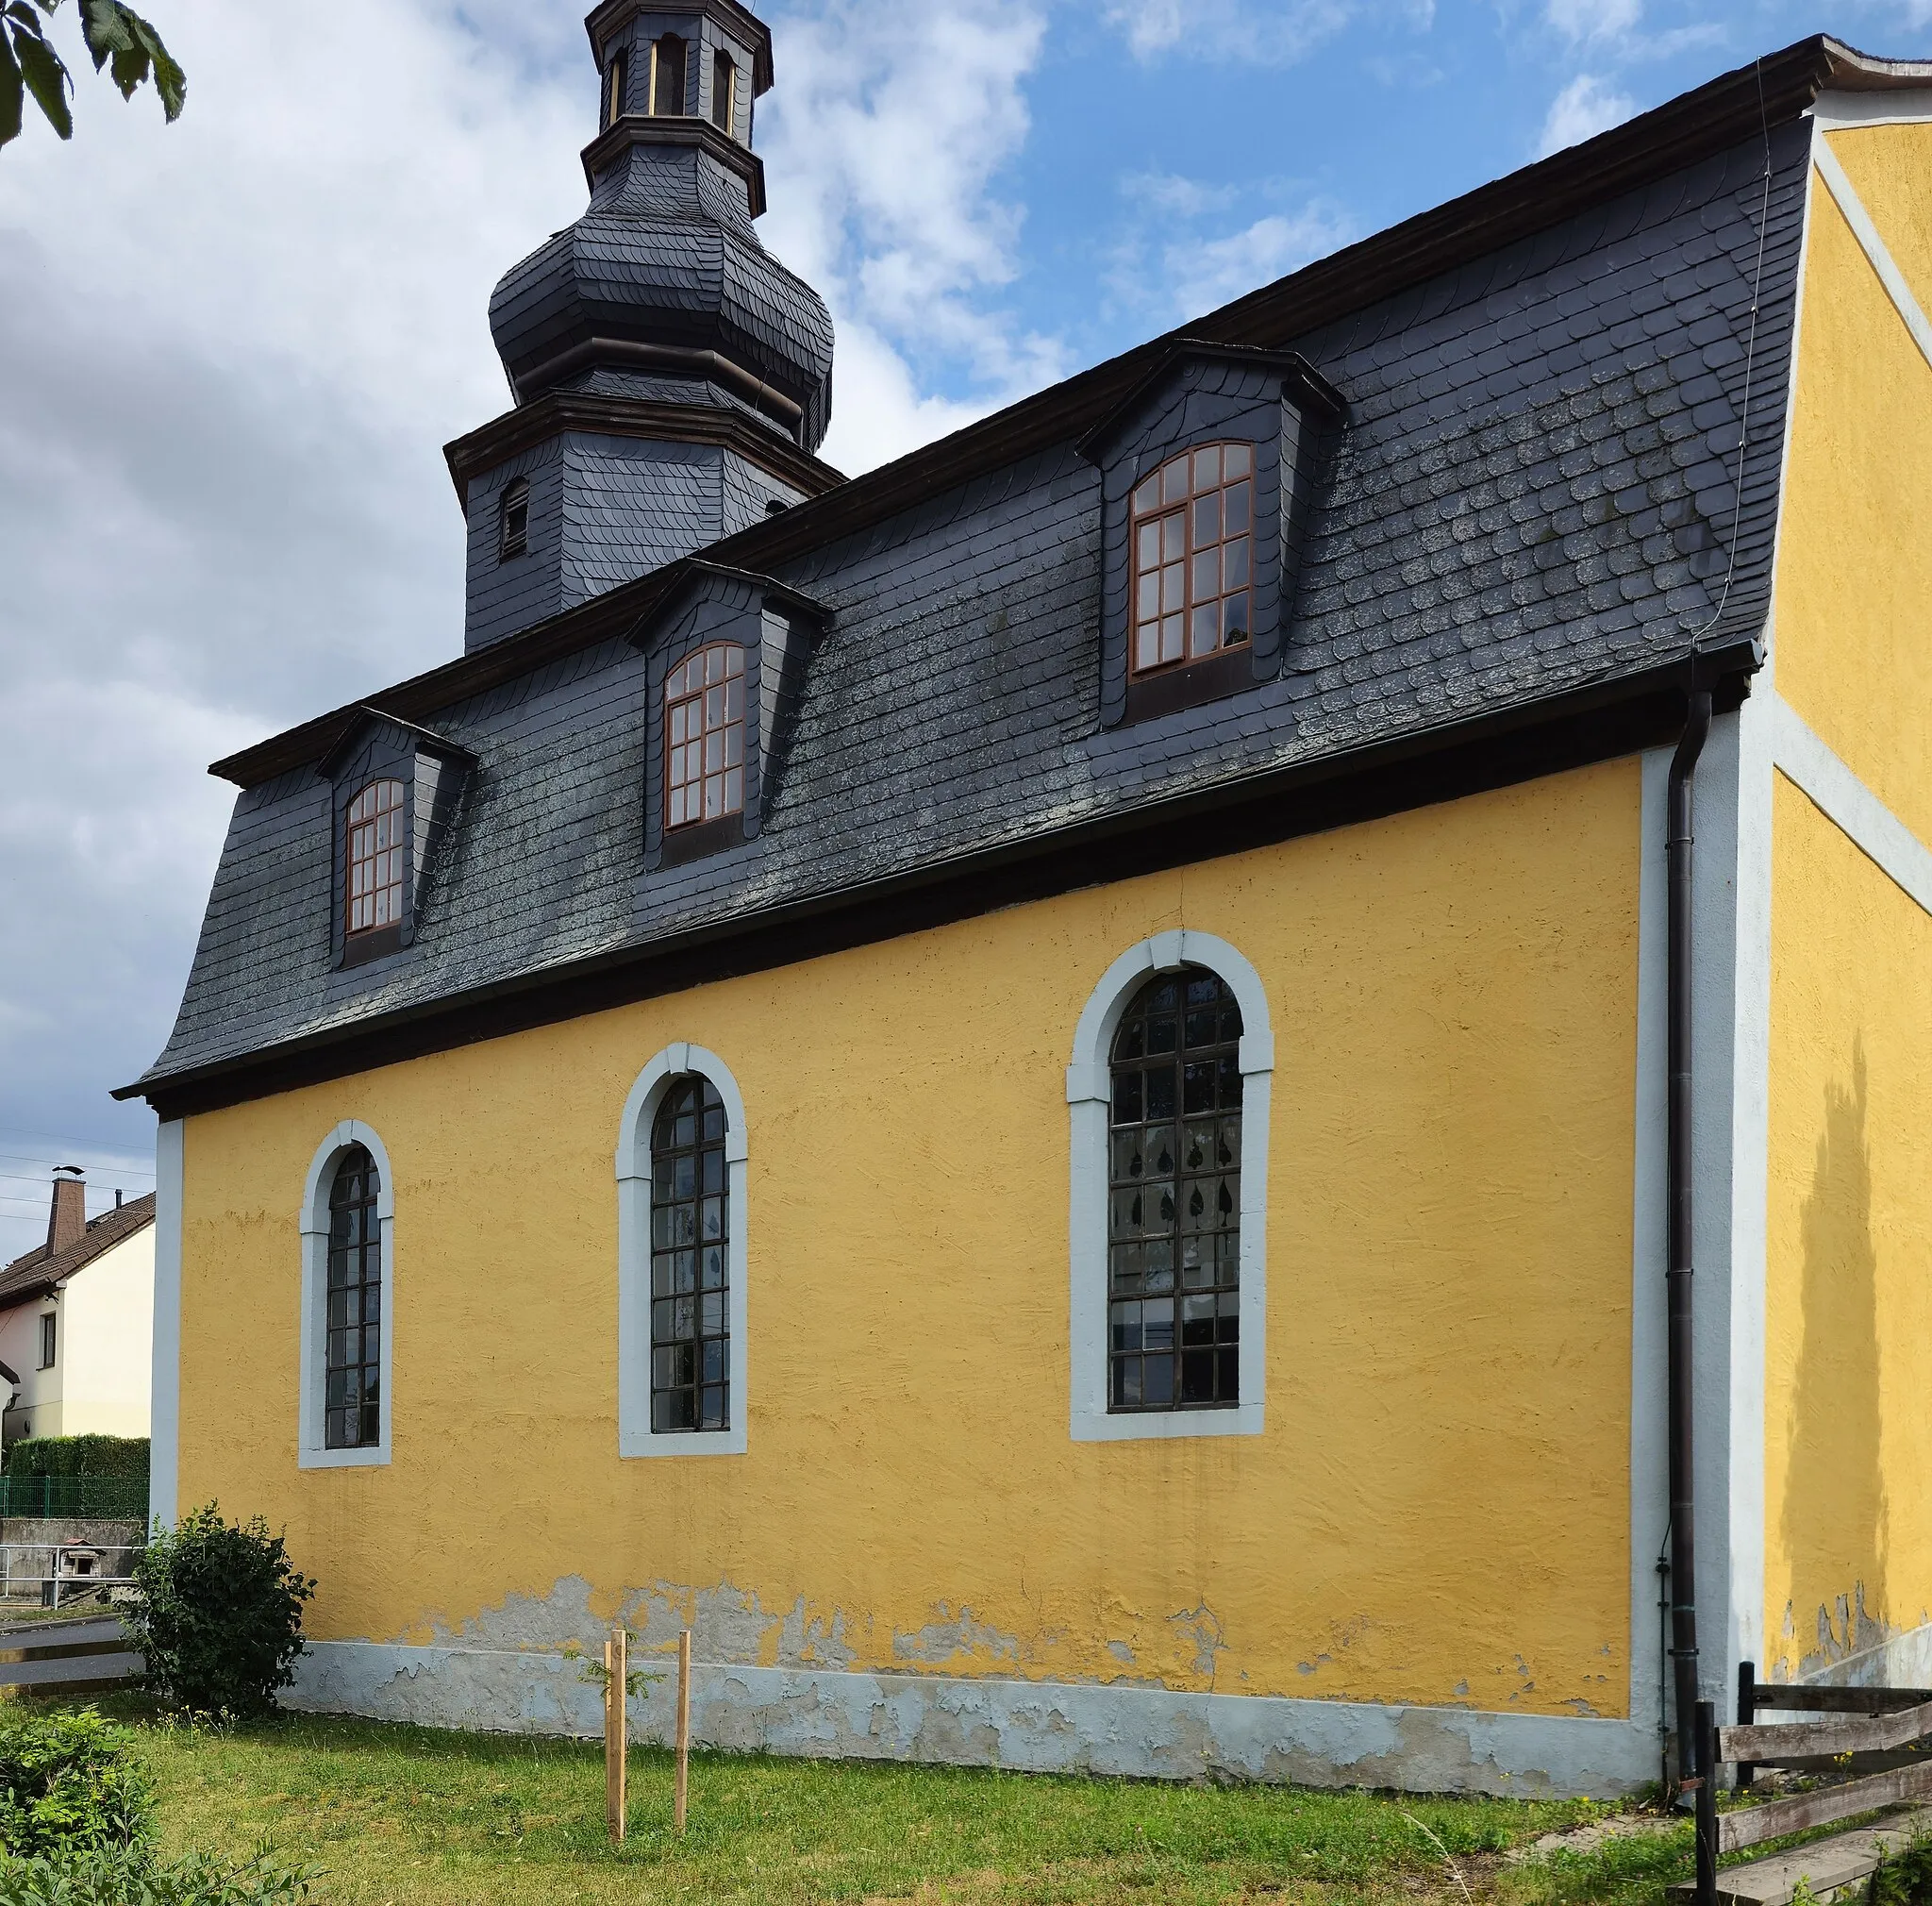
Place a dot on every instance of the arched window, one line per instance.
(1191, 528)
(691, 1223)
(513, 521)
(723, 91)
(704, 737)
(667, 76)
(613, 90)
(352, 1382)
(1173, 1198)
(681, 1259)
(374, 887)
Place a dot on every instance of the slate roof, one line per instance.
(1535, 494)
(37, 1273)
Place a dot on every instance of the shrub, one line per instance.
(220, 1614)
(132, 1875)
(69, 1779)
(79, 1456)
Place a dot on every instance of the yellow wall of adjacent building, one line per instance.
(1438, 1509)
(1848, 1527)
(1855, 564)
(1848, 1520)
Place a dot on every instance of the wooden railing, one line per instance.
(88, 1653)
(1883, 1734)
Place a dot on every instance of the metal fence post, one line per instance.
(1706, 1733)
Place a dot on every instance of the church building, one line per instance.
(1083, 1096)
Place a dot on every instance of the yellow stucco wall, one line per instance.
(1848, 1523)
(1438, 1509)
(1854, 561)
(1848, 1515)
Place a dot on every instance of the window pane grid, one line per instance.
(375, 857)
(1192, 529)
(352, 1393)
(1173, 1198)
(690, 1287)
(704, 736)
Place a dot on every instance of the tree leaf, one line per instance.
(170, 83)
(103, 28)
(11, 91)
(46, 79)
(19, 9)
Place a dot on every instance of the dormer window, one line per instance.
(513, 530)
(1191, 531)
(723, 91)
(667, 76)
(704, 730)
(375, 884)
(613, 90)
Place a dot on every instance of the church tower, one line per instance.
(672, 378)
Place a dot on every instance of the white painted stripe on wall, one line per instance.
(1837, 794)
(1036, 1725)
(1743, 1633)
(1849, 202)
(165, 1426)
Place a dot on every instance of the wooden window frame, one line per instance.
(660, 76)
(377, 935)
(513, 521)
(685, 832)
(50, 1339)
(1169, 591)
(614, 77)
(353, 1289)
(724, 111)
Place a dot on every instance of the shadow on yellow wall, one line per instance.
(1834, 1513)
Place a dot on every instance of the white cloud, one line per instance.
(1198, 271)
(1269, 32)
(1581, 20)
(884, 141)
(1584, 108)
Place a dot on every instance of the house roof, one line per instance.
(37, 1273)
(1534, 509)
(1770, 91)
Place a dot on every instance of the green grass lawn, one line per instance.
(413, 1816)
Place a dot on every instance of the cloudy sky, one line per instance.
(233, 348)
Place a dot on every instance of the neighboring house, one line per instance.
(1127, 968)
(77, 1322)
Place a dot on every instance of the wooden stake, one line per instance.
(616, 1675)
(683, 1723)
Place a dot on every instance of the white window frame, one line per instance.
(635, 1436)
(1090, 1099)
(312, 1451)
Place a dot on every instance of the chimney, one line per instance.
(67, 1221)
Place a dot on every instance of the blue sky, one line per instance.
(236, 347)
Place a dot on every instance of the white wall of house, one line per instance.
(98, 1384)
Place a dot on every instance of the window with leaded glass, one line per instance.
(352, 1393)
(1191, 531)
(690, 1218)
(376, 857)
(1173, 1198)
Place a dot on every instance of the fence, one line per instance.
(119, 1499)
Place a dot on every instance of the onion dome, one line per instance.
(663, 282)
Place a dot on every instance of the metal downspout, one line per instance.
(1677, 1277)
